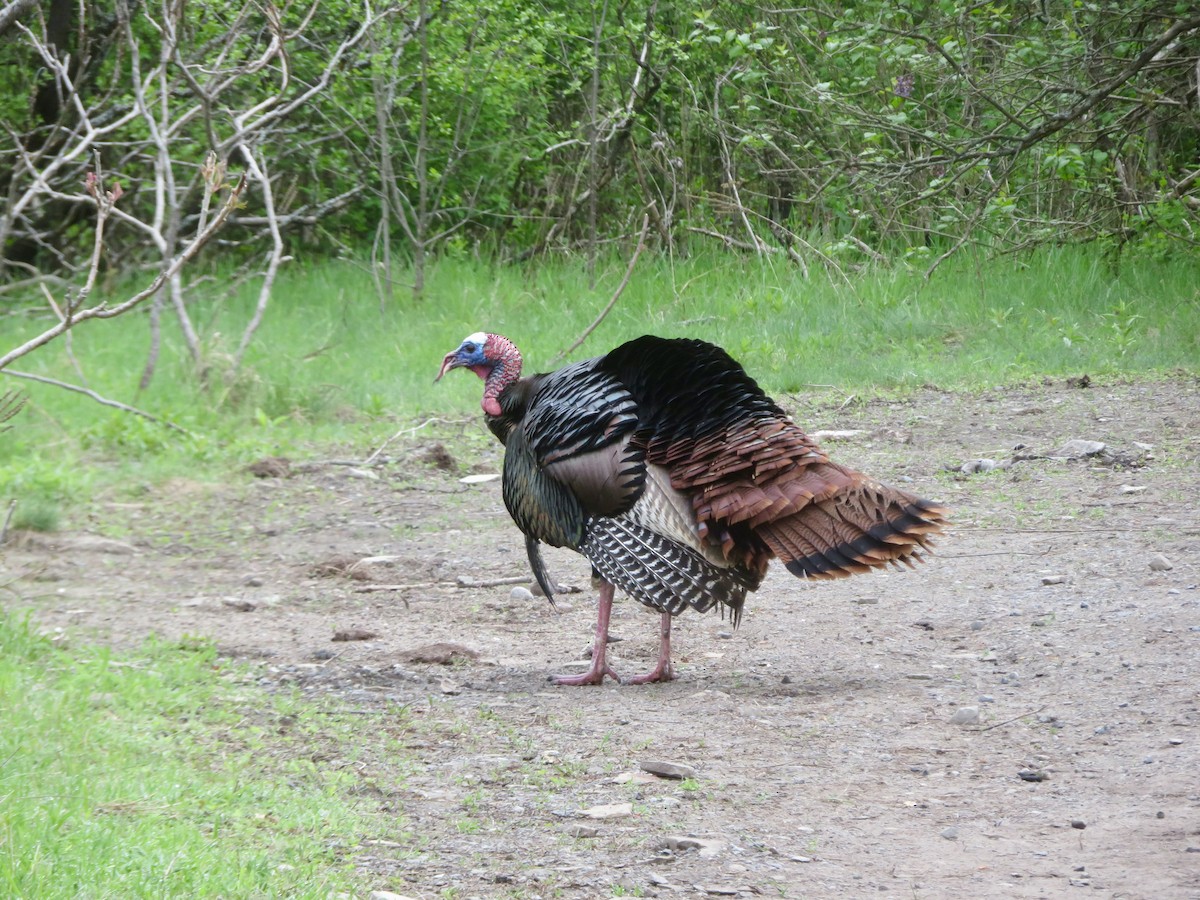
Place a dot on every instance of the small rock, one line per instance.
(1132, 489)
(450, 687)
(708, 848)
(975, 466)
(1032, 775)
(725, 635)
(353, 634)
(1102, 729)
(866, 601)
(252, 581)
(443, 653)
(950, 834)
(479, 479)
(634, 778)
(521, 593)
(977, 625)
(1054, 579)
(1174, 742)
(1047, 718)
(986, 698)
(239, 604)
(1159, 563)
(967, 715)
(608, 811)
(717, 891)
(663, 769)
(1160, 815)
(1078, 449)
(1078, 823)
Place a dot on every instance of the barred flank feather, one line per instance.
(661, 573)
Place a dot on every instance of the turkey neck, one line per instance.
(512, 400)
(505, 370)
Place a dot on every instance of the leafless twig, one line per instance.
(88, 392)
(641, 245)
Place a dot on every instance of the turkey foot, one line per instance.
(599, 668)
(663, 671)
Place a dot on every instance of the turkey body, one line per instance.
(668, 468)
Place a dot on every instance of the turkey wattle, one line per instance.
(666, 466)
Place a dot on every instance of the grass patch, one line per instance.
(151, 775)
(330, 367)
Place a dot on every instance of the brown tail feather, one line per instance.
(869, 526)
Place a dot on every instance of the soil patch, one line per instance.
(1017, 718)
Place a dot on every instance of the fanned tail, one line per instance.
(868, 526)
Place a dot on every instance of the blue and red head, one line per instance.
(493, 358)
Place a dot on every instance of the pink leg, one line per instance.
(599, 668)
(662, 671)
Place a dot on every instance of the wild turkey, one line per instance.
(669, 469)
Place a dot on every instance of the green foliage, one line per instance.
(842, 133)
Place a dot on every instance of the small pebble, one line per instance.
(666, 769)
(1147, 760)
(977, 625)
(725, 635)
(1032, 775)
(1054, 579)
(950, 834)
(1078, 823)
(1159, 563)
(1160, 815)
(986, 698)
(521, 593)
(967, 715)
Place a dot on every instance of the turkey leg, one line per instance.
(599, 668)
(662, 671)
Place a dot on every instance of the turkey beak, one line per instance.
(450, 362)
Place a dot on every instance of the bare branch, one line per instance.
(103, 311)
(88, 392)
(641, 244)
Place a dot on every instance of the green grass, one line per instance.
(157, 775)
(329, 367)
